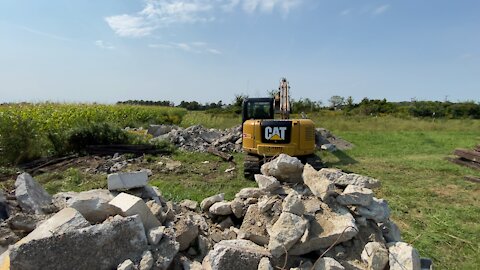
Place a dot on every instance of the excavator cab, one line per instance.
(257, 108)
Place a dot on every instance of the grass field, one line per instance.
(437, 210)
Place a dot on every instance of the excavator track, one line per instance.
(251, 166)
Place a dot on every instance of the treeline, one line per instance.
(368, 107)
(189, 105)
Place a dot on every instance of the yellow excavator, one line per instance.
(265, 137)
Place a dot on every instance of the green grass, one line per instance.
(196, 180)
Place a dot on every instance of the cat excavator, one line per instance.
(265, 137)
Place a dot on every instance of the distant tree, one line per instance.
(336, 102)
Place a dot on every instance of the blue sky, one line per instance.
(210, 50)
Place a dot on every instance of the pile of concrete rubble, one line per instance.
(198, 138)
(297, 218)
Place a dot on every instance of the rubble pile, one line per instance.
(325, 219)
(198, 138)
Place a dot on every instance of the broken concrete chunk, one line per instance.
(284, 168)
(238, 206)
(335, 225)
(155, 235)
(7, 236)
(221, 208)
(403, 256)
(265, 264)
(390, 231)
(186, 231)
(254, 225)
(357, 180)
(146, 263)
(378, 210)
(318, 183)
(285, 233)
(93, 204)
(113, 242)
(125, 181)
(355, 195)
(331, 174)
(267, 183)
(327, 263)
(22, 222)
(245, 193)
(158, 130)
(31, 196)
(375, 255)
(126, 265)
(235, 254)
(132, 205)
(189, 204)
(293, 204)
(156, 210)
(165, 252)
(266, 203)
(67, 219)
(207, 202)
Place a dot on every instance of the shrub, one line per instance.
(96, 133)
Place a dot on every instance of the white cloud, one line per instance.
(214, 51)
(161, 13)
(104, 45)
(191, 47)
(251, 6)
(380, 9)
(130, 26)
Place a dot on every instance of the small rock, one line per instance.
(318, 184)
(375, 255)
(146, 263)
(265, 264)
(238, 206)
(207, 202)
(125, 181)
(357, 180)
(22, 222)
(403, 256)
(232, 254)
(226, 223)
(327, 263)
(266, 203)
(285, 233)
(189, 204)
(378, 210)
(390, 231)
(249, 193)
(165, 252)
(186, 231)
(126, 265)
(267, 183)
(250, 228)
(221, 208)
(284, 168)
(293, 204)
(31, 196)
(355, 195)
(131, 205)
(155, 235)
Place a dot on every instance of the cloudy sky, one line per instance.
(210, 50)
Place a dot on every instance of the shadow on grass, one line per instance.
(343, 159)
